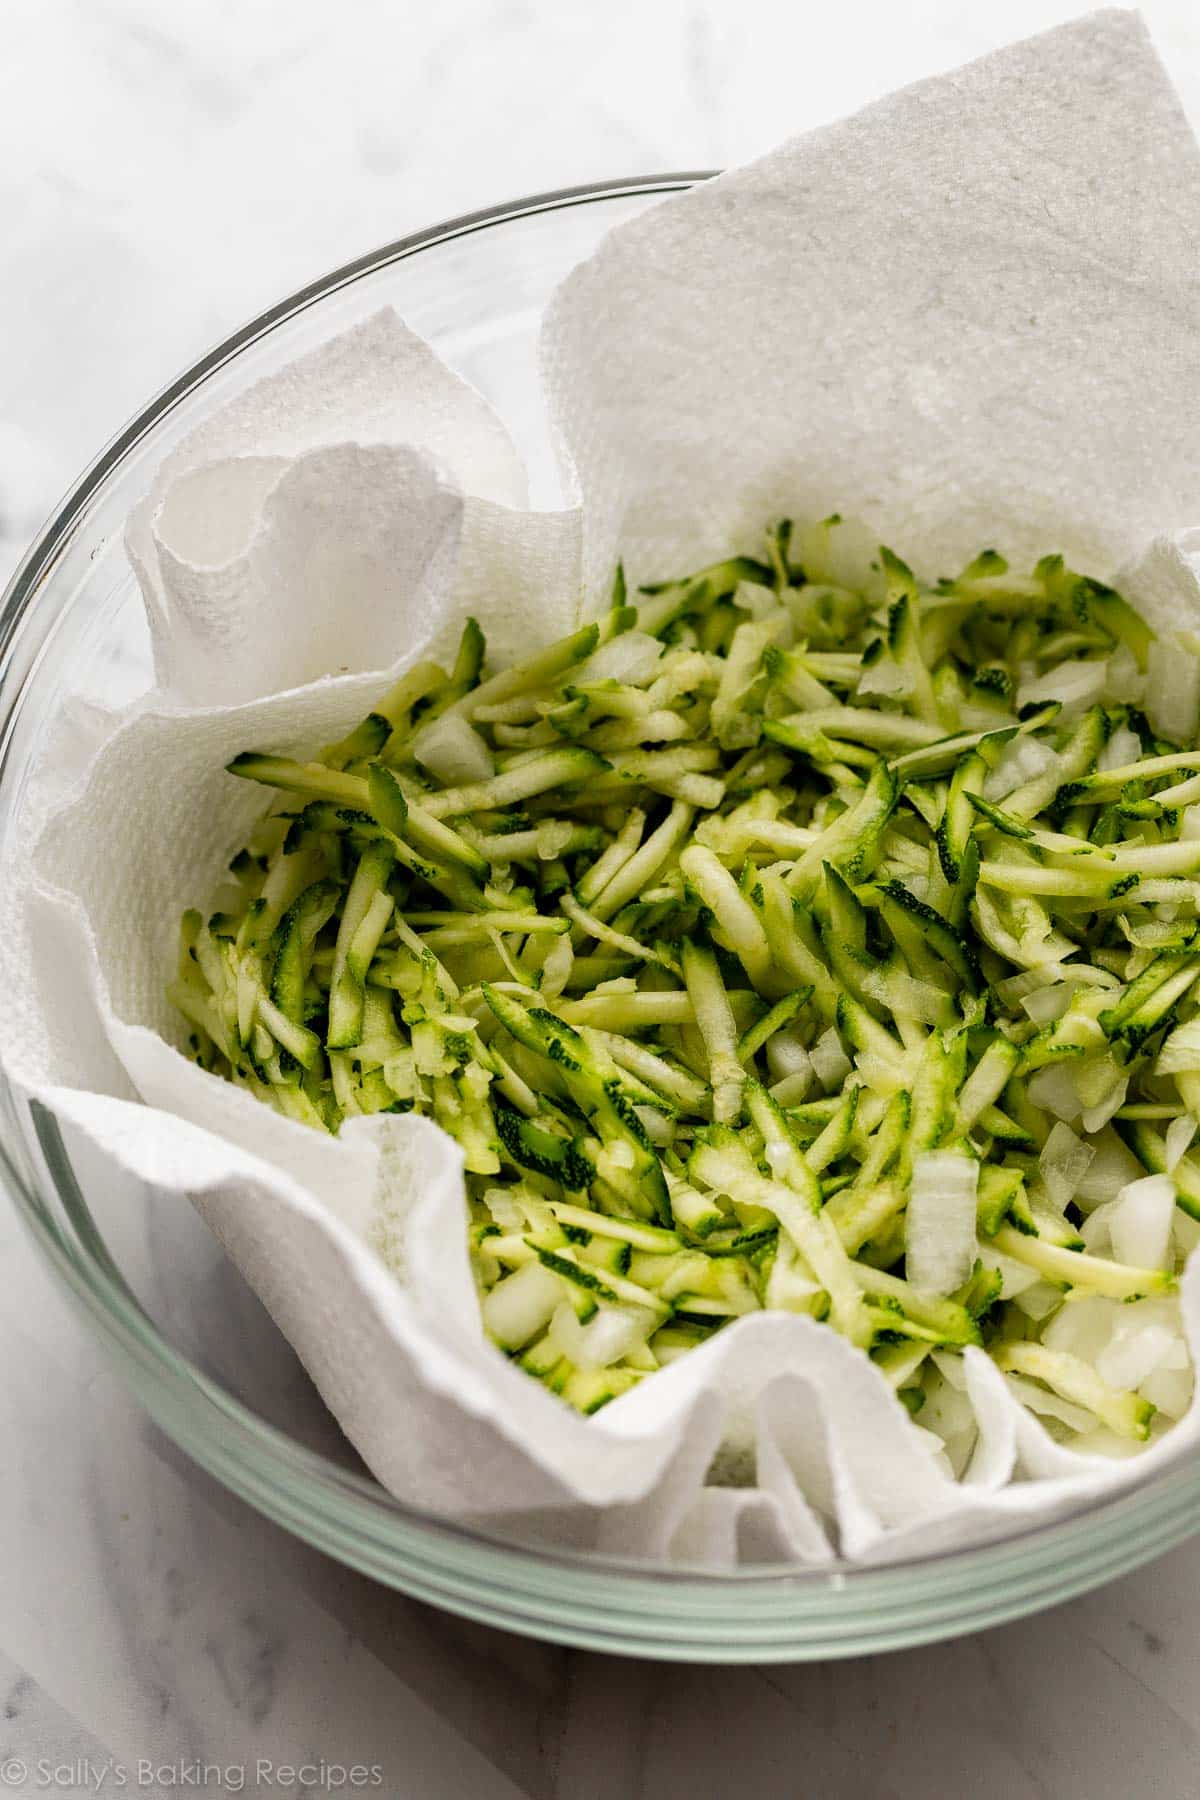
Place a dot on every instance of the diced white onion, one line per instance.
(1126, 686)
(504, 1209)
(1077, 685)
(829, 1060)
(520, 1305)
(885, 678)
(1039, 1301)
(786, 1055)
(1186, 1233)
(950, 1368)
(1018, 763)
(453, 751)
(632, 657)
(1102, 1088)
(845, 554)
(791, 1090)
(929, 1440)
(761, 603)
(1111, 1168)
(1179, 1135)
(947, 1409)
(939, 1226)
(950, 1417)
(609, 1334)
(1124, 746)
(1180, 1053)
(1083, 1327)
(790, 1285)
(1064, 1161)
(1141, 1222)
(1094, 1117)
(1170, 1390)
(1133, 1353)
(1047, 1003)
(1014, 989)
(1172, 688)
(1052, 1089)
(1096, 1230)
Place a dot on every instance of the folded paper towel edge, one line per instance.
(310, 394)
(444, 1366)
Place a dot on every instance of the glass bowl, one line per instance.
(154, 1287)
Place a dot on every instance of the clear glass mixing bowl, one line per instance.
(156, 1290)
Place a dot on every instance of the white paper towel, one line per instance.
(967, 315)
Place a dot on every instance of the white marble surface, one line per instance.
(164, 172)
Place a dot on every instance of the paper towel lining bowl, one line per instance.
(157, 1292)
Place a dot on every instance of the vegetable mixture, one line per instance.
(799, 937)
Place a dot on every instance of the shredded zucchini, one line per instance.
(709, 929)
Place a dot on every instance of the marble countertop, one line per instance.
(165, 172)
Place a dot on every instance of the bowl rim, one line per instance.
(350, 1515)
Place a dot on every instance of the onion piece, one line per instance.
(886, 679)
(1102, 1088)
(453, 751)
(939, 1242)
(632, 657)
(1180, 1053)
(1170, 1390)
(787, 1055)
(1052, 1089)
(1039, 1301)
(1172, 688)
(1045, 1004)
(1179, 1135)
(829, 1060)
(1126, 687)
(609, 1334)
(791, 1090)
(1064, 1161)
(1083, 1327)
(1124, 746)
(1112, 1167)
(521, 1305)
(1077, 685)
(1134, 1352)
(1141, 1222)
(1018, 763)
